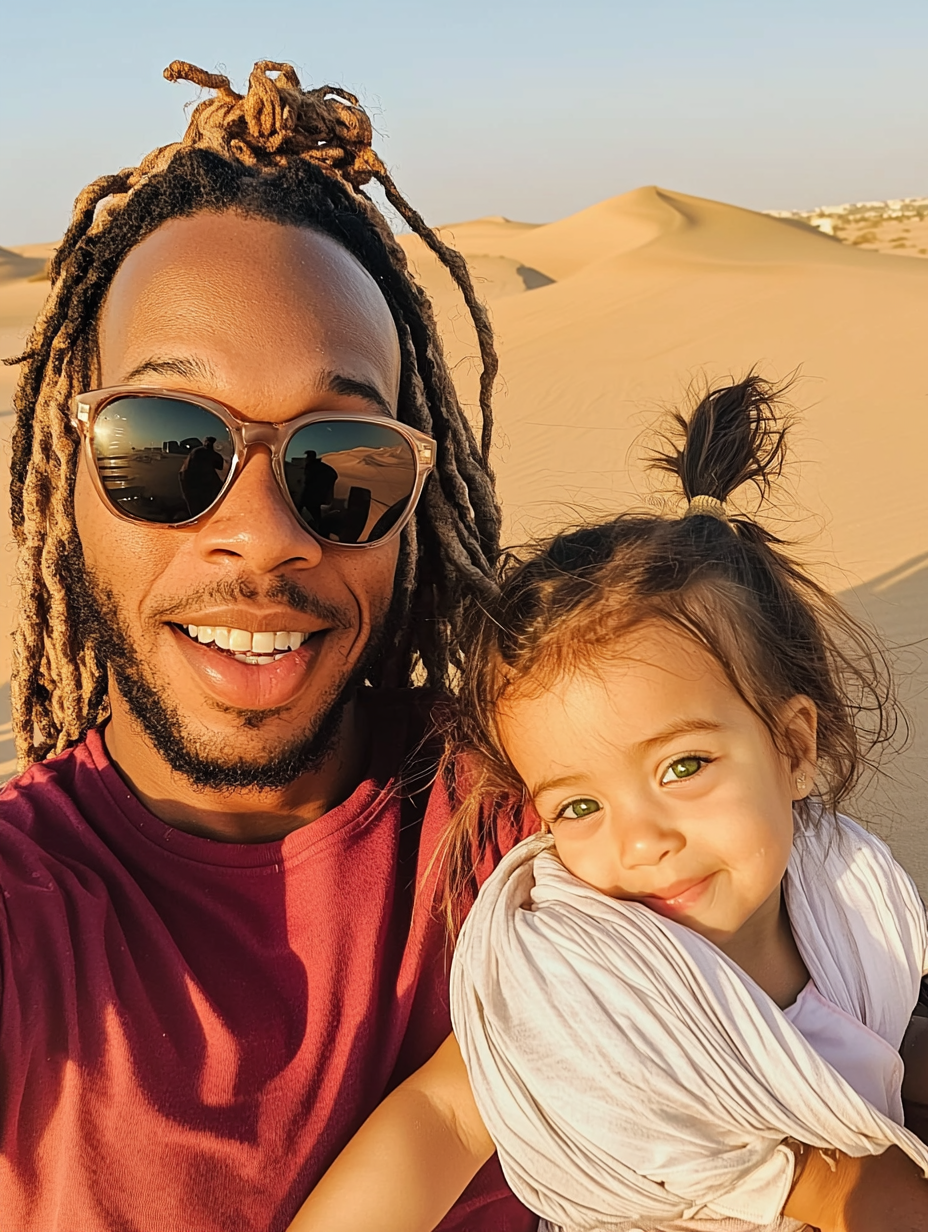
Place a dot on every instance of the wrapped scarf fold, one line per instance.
(631, 1075)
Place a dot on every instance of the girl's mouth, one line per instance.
(681, 897)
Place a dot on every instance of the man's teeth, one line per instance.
(254, 648)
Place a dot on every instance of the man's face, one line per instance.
(274, 321)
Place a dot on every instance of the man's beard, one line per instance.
(203, 759)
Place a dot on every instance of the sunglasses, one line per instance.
(168, 459)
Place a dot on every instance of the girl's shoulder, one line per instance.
(834, 842)
(835, 856)
(858, 919)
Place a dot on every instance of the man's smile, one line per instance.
(249, 670)
(257, 648)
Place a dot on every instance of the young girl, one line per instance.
(693, 984)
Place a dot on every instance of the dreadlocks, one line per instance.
(296, 157)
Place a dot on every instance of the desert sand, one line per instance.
(608, 316)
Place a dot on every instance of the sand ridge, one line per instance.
(644, 218)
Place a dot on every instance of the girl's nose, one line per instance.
(643, 842)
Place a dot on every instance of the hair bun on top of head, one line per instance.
(735, 435)
(273, 123)
(275, 120)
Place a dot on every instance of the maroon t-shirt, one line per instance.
(191, 1030)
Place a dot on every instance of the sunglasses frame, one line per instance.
(246, 434)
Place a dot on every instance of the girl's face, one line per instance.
(661, 785)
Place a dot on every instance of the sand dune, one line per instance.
(15, 266)
(655, 288)
(636, 220)
(608, 315)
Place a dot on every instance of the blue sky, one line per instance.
(532, 110)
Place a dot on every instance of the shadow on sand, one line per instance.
(894, 803)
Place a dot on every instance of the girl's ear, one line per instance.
(799, 723)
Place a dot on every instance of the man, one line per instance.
(319, 481)
(213, 968)
(218, 942)
(200, 481)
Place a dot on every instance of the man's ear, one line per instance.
(798, 725)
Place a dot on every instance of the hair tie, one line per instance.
(707, 506)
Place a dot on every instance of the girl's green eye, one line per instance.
(578, 809)
(683, 768)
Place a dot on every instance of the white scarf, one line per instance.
(632, 1075)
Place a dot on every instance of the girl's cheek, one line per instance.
(569, 853)
(580, 855)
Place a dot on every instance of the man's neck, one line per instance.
(240, 815)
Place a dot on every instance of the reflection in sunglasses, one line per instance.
(167, 482)
(200, 475)
(353, 495)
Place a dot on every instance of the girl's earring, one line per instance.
(801, 783)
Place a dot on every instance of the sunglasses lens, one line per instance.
(351, 482)
(161, 459)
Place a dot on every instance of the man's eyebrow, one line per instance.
(335, 383)
(681, 727)
(188, 368)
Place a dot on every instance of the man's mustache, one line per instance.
(282, 590)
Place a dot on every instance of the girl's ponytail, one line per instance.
(735, 435)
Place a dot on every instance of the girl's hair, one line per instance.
(299, 158)
(717, 576)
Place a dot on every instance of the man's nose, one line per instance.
(255, 525)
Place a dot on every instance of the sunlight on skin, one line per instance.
(260, 316)
(664, 787)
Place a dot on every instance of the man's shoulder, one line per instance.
(48, 840)
(50, 793)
